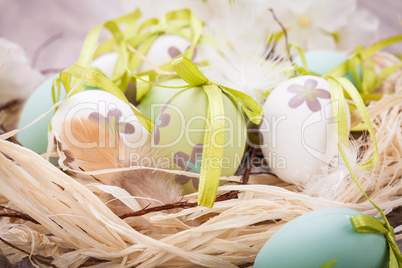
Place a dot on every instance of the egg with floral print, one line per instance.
(105, 109)
(164, 49)
(299, 134)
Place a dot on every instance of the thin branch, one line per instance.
(246, 175)
(17, 214)
(284, 32)
(36, 258)
(42, 46)
(180, 204)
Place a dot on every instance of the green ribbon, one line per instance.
(210, 174)
(180, 22)
(339, 85)
(367, 224)
(370, 80)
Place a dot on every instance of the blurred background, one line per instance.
(52, 32)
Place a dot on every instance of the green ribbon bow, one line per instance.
(339, 87)
(210, 174)
(180, 22)
(367, 224)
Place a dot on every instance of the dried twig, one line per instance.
(284, 32)
(34, 257)
(246, 174)
(42, 46)
(17, 214)
(180, 204)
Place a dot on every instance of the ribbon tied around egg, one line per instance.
(367, 224)
(212, 148)
(339, 87)
(210, 174)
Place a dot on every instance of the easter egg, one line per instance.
(323, 61)
(104, 108)
(321, 237)
(298, 131)
(179, 134)
(35, 136)
(153, 101)
(164, 49)
(105, 63)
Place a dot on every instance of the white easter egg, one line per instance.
(299, 133)
(106, 63)
(105, 108)
(165, 48)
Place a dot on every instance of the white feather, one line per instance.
(329, 182)
(246, 60)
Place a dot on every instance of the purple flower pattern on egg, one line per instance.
(189, 163)
(161, 121)
(112, 119)
(308, 93)
(174, 52)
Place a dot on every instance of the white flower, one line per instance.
(362, 29)
(313, 24)
(17, 78)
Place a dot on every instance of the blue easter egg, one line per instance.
(321, 237)
(323, 61)
(35, 136)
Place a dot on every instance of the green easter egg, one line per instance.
(321, 237)
(153, 101)
(179, 134)
(35, 136)
(323, 61)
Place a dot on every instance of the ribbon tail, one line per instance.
(212, 154)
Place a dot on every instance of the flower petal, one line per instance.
(295, 88)
(164, 119)
(323, 94)
(331, 15)
(180, 159)
(320, 40)
(296, 102)
(181, 179)
(311, 82)
(314, 105)
(358, 33)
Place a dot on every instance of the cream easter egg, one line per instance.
(164, 49)
(104, 108)
(179, 134)
(299, 133)
(106, 63)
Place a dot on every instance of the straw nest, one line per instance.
(63, 223)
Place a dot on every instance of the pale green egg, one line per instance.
(321, 237)
(179, 134)
(323, 61)
(153, 101)
(35, 136)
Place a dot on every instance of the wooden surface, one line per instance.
(32, 22)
